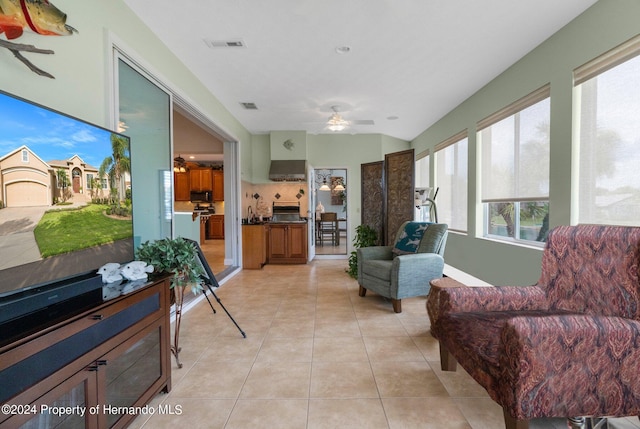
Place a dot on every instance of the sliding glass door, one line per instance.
(145, 115)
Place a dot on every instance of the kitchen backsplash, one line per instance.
(268, 193)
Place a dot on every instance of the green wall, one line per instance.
(602, 27)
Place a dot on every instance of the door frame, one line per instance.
(311, 191)
(344, 255)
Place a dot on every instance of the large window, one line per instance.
(424, 212)
(515, 169)
(451, 181)
(422, 170)
(608, 98)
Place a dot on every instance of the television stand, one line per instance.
(101, 363)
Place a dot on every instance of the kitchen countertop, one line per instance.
(189, 207)
(270, 222)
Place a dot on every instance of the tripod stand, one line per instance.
(210, 281)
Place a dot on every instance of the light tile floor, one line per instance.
(318, 356)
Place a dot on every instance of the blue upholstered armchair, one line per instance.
(404, 269)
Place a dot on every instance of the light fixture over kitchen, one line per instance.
(324, 186)
(323, 176)
(179, 164)
(337, 183)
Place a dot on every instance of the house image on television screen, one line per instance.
(26, 180)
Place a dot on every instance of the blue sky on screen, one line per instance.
(50, 135)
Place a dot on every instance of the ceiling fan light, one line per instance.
(336, 123)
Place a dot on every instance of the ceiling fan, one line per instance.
(336, 121)
(179, 164)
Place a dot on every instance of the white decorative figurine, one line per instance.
(136, 270)
(110, 273)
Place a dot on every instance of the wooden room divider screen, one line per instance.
(387, 193)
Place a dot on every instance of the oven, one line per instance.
(286, 212)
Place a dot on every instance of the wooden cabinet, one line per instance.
(201, 179)
(182, 187)
(288, 243)
(255, 239)
(216, 226)
(116, 354)
(218, 185)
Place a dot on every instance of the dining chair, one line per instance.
(328, 227)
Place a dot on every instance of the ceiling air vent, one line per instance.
(249, 106)
(230, 43)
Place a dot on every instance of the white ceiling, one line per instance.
(410, 59)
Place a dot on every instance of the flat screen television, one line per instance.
(65, 187)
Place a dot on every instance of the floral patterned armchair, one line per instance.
(567, 346)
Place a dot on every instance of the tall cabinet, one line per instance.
(182, 186)
(201, 179)
(218, 185)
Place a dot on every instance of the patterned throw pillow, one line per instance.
(409, 239)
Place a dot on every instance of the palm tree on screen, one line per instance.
(116, 165)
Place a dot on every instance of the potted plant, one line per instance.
(365, 236)
(178, 257)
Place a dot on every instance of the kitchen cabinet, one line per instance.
(201, 179)
(218, 185)
(116, 354)
(182, 186)
(287, 243)
(255, 239)
(216, 226)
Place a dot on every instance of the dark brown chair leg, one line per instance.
(397, 305)
(447, 361)
(511, 423)
(362, 291)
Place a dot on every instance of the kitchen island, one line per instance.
(274, 243)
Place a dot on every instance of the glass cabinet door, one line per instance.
(129, 370)
(67, 406)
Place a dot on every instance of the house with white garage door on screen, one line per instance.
(26, 180)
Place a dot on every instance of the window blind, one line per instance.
(608, 92)
(515, 151)
(521, 104)
(607, 61)
(452, 140)
(422, 154)
(422, 170)
(451, 178)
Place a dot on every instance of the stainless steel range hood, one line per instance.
(288, 170)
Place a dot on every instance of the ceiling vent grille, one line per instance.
(363, 122)
(249, 106)
(230, 43)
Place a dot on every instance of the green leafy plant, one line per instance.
(177, 256)
(180, 257)
(365, 236)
